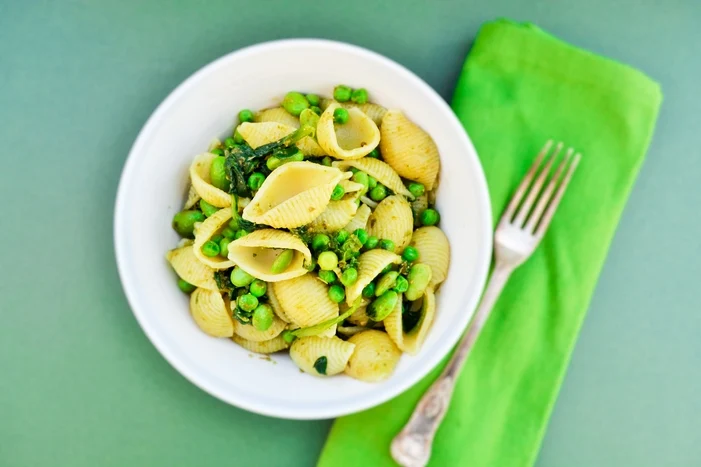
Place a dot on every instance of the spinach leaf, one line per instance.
(320, 365)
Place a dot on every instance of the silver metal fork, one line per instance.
(518, 233)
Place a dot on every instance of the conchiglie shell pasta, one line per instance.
(250, 333)
(277, 115)
(336, 216)
(306, 351)
(256, 252)
(273, 345)
(374, 358)
(258, 134)
(293, 195)
(360, 219)
(412, 342)
(381, 171)
(201, 182)
(370, 264)
(374, 111)
(206, 230)
(434, 250)
(305, 301)
(352, 189)
(393, 220)
(275, 304)
(192, 270)
(351, 140)
(192, 198)
(209, 311)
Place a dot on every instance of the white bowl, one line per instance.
(153, 186)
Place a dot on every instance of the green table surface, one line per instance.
(80, 384)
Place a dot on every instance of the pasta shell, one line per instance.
(305, 301)
(256, 252)
(351, 140)
(258, 134)
(360, 219)
(381, 171)
(336, 216)
(214, 144)
(412, 341)
(350, 330)
(209, 311)
(250, 333)
(392, 219)
(370, 265)
(206, 230)
(352, 189)
(374, 111)
(275, 303)
(192, 198)
(374, 358)
(277, 115)
(201, 182)
(293, 195)
(409, 149)
(419, 205)
(434, 250)
(189, 268)
(359, 317)
(306, 351)
(273, 345)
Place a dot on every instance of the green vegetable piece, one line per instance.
(313, 99)
(419, 277)
(375, 153)
(372, 242)
(328, 261)
(238, 138)
(410, 319)
(245, 116)
(340, 116)
(288, 336)
(297, 157)
(378, 193)
(320, 242)
(207, 209)
(216, 238)
(230, 142)
(273, 163)
(247, 302)
(229, 233)
(320, 365)
(308, 117)
(328, 277)
(315, 109)
(185, 286)
(402, 284)
(388, 268)
(383, 305)
(417, 189)
(369, 290)
(353, 170)
(282, 262)
(342, 236)
(224, 247)
(430, 217)
(337, 293)
(310, 265)
(240, 278)
(240, 233)
(326, 161)
(410, 254)
(258, 288)
(362, 178)
(210, 248)
(386, 282)
(184, 222)
(337, 193)
(234, 224)
(387, 244)
(362, 236)
(372, 182)
(217, 151)
(342, 93)
(262, 317)
(255, 181)
(295, 103)
(349, 277)
(360, 96)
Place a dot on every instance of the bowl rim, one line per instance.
(442, 349)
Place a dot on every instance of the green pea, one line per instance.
(238, 138)
(349, 277)
(386, 282)
(354, 170)
(184, 222)
(310, 265)
(262, 317)
(430, 217)
(288, 336)
(410, 254)
(328, 260)
(387, 244)
(340, 116)
(240, 233)
(273, 163)
(217, 173)
(229, 142)
(224, 247)
(362, 236)
(360, 96)
(320, 242)
(383, 305)
(328, 277)
(216, 238)
(337, 293)
(417, 189)
(258, 288)
(313, 99)
(326, 161)
(372, 242)
(402, 285)
(282, 262)
(207, 209)
(185, 286)
(229, 233)
(375, 153)
(233, 224)
(378, 193)
(294, 103)
(419, 277)
(388, 268)
(217, 152)
(315, 109)
(372, 182)
(362, 178)
(240, 278)
(210, 248)
(342, 93)
(298, 157)
(337, 193)
(255, 181)
(308, 117)
(245, 116)
(247, 302)
(342, 236)
(369, 290)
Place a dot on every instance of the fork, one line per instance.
(518, 233)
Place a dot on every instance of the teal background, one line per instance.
(80, 384)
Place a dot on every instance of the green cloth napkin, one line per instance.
(520, 87)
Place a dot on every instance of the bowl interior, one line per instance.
(153, 188)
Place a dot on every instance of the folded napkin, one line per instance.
(520, 87)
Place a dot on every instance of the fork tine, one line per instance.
(547, 193)
(548, 216)
(535, 189)
(521, 190)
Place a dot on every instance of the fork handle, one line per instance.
(412, 446)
